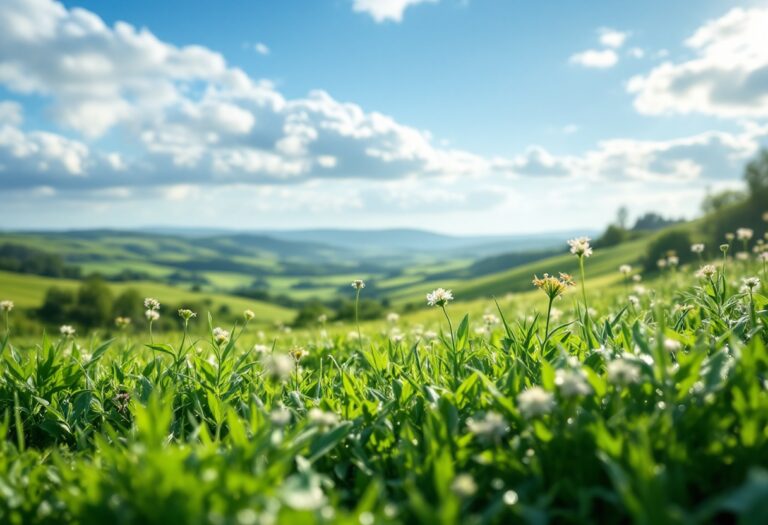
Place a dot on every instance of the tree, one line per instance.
(676, 241)
(756, 174)
(714, 202)
(57, 306)
(94, 303)
(622, 217)
(129, 303)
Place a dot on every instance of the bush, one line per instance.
(677, 241)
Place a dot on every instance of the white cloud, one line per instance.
(612, 37)
(727, 77)
(636, 52)
(384, 10)
(261, 48)
(594, 58)
(10, 113)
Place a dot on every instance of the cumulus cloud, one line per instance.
(727, 76)
(190, 125)
(594, 58)
(386, 10)
(611, 37)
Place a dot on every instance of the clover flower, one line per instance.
(393, 317)
(122, 322)
(186, 314)
(672, 345)
(152, 315)
(6, 306)
(280, 416)
(673, 260)
(298, 353)
(278, 366)
(220, 336)
(634, 300)
(490, 319)
(151, 304)
(744, 234)
(491, 427)
(248, 315)
(580, 246)
(463, 486)
(439, 297)
(706, 272)
(553, 286)
(697, 248)
(742, 256)
(321, 418)
(534, 402)
(661, 263)
(622, 372)
(625, 269)
(358, 284)
(572, 383)
(67, 330)
(749, 284)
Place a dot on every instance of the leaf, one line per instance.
(462, 334)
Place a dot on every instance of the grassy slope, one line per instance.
(29, 290)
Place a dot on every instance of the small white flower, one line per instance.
(492, 426)
(280, 416)
(634, 300)
(697, 248)
(742, 256)
(186, 314)
(322, 319)
(729, 237)
(744, 234)
(491, 320)
(672, 345)
(248, 315)
(535, 401)
(706, 272)
(67, 330)
(464, 486)
(278, 366)
(430, 335)
(393, 317)
(750, 283)
(439, 297)
(321, 418)
(637, 278)
(358, 284)
(622, 372)
(580, 246)
(260, 349)
(151, 304)
(6, 306)
(673, 260)
(661, 263)
(625, 269)
(572, 383)
(152, 315)
(220, 336)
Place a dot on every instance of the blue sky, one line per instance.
(457, 115)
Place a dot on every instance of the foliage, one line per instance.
(675, 242)
(646, 411)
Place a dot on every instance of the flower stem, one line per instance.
(357, 319)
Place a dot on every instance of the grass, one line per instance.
(648, 413)
(29, 291)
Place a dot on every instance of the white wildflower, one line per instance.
(580, 246)
(491, 427)
(152, 315)
(358, 284)
(749, 284)
(744, 234)
(625, 269)
(572, 383)
(622, 372)
(535, 401)
(321, 418)
(464, 486)
(706, 272)
(393, 317)
(439, 297)
(151, 304)
(672, 345)
(67, 330)
(697, 248)
(220, 336)
(6, 306)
